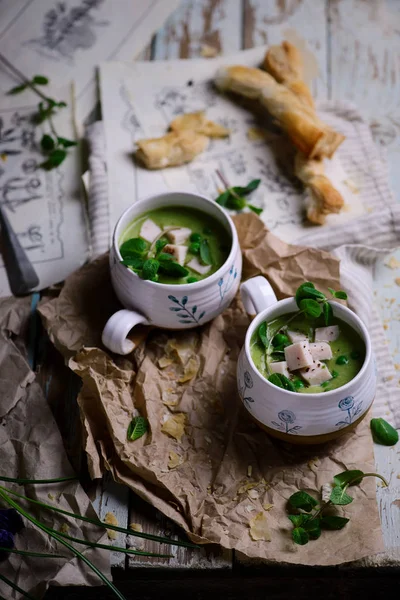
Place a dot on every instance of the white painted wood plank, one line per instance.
(365, 67)
(113, 498)
(301, 22)
(216, 23)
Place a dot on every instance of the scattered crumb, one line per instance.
(313, 463)
(190, 370)
(175, 460)
(268, 507)
(249, 508)
(3, 157)
(389, 378)
(253, 494)
(256, 134)
(397, 366)
(50, 496)
(208, 439)
(136, 527)
(64, 528)
(249, 471)
(247, 486)
(169, 398)
(259, 529)
(164, 361)
(175, 426)
(111, 519)
(397, 281)
(207, 51)
(392, 263)
(398, 476)
(385, 326)
(351, 185)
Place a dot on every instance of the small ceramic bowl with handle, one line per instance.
(168, 306)
(292, 416)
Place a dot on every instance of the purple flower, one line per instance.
(10, 524)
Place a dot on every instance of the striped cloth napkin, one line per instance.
(359, 243)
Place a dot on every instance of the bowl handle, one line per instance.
(118, 326)
(257, 295)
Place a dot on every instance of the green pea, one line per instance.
(280, 340)
(298, 384)
(195, 237)
(194, 247)
(191, 280)
(342, 360)
(355, 354)
(334, 374)
(325, 384)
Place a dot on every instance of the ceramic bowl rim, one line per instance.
(292, 302)
(183, 287)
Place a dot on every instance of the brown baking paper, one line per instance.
(204, 463)
(31, 447)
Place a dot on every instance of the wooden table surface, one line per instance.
(357, 47)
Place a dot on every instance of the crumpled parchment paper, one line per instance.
(204, 463)
(31, 447)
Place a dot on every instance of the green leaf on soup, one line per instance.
(328, 313)
(302, 501)
(333, 523)
(281, 381)
(383, 433)
(150, 268)
(164, 256)
(205, 254)
(173, 269)
(137, 428)
(133, 246)
(160, 244)
(311, 307)
(262, 334)
(134, 262)
(307, 291)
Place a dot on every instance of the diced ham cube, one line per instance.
(321, 351)
(178, 252)
(298, 355)
(316, 374)
(327, 334)
(296, 336)
(149, 231)
(178, 236)
(280, 367)
(196, 265)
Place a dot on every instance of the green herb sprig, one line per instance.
(66, 540)
(138, 427)
(54, 146)
(308, 525)
(312, 303)
(383, 433)
(234, 197)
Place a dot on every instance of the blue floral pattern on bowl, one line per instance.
(230, 280)
(247, 385)
(287, 418)
(184, 313)
(348, 406)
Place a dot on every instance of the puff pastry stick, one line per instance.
(303, 127)
(323, 198)
(198, 122)
(171, 150)
(285, 64)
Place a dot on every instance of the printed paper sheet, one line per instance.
(139, 100)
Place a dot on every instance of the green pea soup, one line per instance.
(210, 243)
(348, 351)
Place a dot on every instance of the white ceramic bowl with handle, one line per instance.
(163, 305)
(292, 416)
